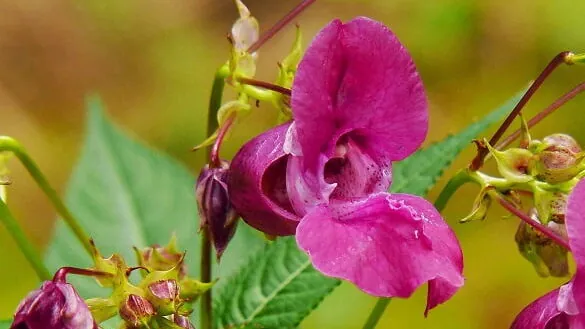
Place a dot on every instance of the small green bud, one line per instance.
(480, 206)
(102, 309)
(547, 257)
(191, 289)
(513, 163)
(551, 206)
(157, 258)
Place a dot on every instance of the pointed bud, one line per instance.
(136, 311)
(215, 209)
(548, 258)
(191, 289)
(183, 322)
(102, 309)
(560, 159)
(481, 206)
(164, 296)
(513, 163)
(157, 258)
(56, 305)
(112, 265)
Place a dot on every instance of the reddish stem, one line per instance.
(265, 85)
(215, 161)
(559, 59)
(63, 271)
(544, 113)
(538, 226)
(280, 24)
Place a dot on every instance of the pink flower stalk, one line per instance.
(563, 308)
(358, 104)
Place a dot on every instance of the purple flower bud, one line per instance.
(215, 209)
(56, 305)
(183, 322)
(136, 311)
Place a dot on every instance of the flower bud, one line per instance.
(164, 296)
(56, 305)
(191, 289)
(513, 163)
(559, 160)
(183, 322)
(548, 258)
(157, 258)
(215, 209)
(136, 311)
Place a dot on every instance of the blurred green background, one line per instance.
(152, 61)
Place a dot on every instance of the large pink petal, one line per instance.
(357, 77)
(386, 244)
(575, 223)
(257, 184)
(542, 314)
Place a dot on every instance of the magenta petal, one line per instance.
(542, 314)
(358, 77)
(257, 184)
(351, 174)
(575, 223)
(387, 244)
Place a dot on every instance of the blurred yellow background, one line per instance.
(152, 61)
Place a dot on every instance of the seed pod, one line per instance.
(215, 209)
(548, 258)
(560, 160)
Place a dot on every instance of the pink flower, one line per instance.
(563, 308)
(358, 104)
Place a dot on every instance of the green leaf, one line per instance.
(126, 194)
(5, 324)
(278, 288)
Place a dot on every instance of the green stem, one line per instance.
(376, 313)
(206, 275)
(452, 186)
(8, 144)
(24, 244)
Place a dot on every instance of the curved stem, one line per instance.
(280, 24)
(559, 59)
(27, 248)
(265, 85)
(543, 114)
(61, 274)
(12, 145)
(215, 159)
(214, 105)
(376, 313)
(452, 186)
